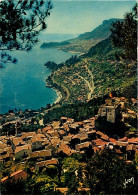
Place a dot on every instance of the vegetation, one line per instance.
(108, 174)
(78, 111)
(20, 24)
(103, 173)
(124, 34)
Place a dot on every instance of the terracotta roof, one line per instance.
(99, 142)
(83, 145)
(130, 147)
(20, 148)
(17, 141)
(2, 145)
(66, 127)
(118, 151)
(55, 141)
(67, 138)
(102, 135)
(46, 129)
(16, 175)
(70, 120)
(53, 133)
(62, 132)
(65, 149)
(41, 153)
(9, 150)
(24, 134)
(63, 118)
(119, 143)
(83, 189)
(38, 138)
(124, 139)
(53, 161)
(112, 140)
(133, 140)
(62, 190)
(96, 149)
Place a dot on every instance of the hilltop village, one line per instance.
(66, 137)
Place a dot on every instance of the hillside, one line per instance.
(84, 41)
(96, 73)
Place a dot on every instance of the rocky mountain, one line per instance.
(86, 40)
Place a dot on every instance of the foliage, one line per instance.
(107, 174)
(124, 34)
(14, 187)
(78, 111)
(20, 24)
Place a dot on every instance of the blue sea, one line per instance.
(22, 85)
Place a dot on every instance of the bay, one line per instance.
(22, 85)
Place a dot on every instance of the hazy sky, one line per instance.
(79, 16)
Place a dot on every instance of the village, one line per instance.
(66, 137)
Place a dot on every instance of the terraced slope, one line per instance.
(97, 73)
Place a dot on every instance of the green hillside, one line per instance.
(96, 73)
(84, 41)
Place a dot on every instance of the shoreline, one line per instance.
(59, 94)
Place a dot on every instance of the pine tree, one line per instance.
(21, 21)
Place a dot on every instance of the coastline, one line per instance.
(59, 98)
(59, 94)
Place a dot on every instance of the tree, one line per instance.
(21, 21)
(124, 34)
(107, 174)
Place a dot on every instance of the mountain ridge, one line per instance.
(84, 41)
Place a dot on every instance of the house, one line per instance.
(42, 164)
(37, 142)
(102, 136)
(84, 190)
(41, 154)
(91, 134)
(110, 110)
(44, 130)
(20, 174)
(62, 190)
(16, 141)
(130, 152)
(22, 151)
(74, 140)
(6, 154)
(74, 128)
(83, 146)
(65, 149)
(55, 141)
(27, 135)
(63, 119)
(99, 142)
(61, 133)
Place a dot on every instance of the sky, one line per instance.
(79, 16)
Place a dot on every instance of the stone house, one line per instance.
(83, 146)
(110, 110)
(6, 154)
(41, 154)
(37, 142)
(22, 151)
(16, 141)
(45, 163)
